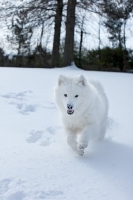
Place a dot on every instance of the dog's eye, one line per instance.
(76, 96)
(65, 95)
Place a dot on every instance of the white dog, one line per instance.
(84, 108)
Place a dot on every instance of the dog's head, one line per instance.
(71, 94)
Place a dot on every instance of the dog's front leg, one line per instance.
(72, 142)
(89, 132)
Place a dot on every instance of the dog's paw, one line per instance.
(80, 152)
(82, 145)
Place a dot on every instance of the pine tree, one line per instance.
(21, 34)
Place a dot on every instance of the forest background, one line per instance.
(94, 34)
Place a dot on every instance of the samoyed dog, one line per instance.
(84, 108)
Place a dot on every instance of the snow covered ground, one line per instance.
(35, 161)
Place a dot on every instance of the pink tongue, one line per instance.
(69, 111)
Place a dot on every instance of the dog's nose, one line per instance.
(69, 106)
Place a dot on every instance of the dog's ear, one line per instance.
(81, 81)
(61, 80)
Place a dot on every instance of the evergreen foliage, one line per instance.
(50, 16)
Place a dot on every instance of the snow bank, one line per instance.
(35, 161)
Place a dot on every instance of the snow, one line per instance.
(35, 161)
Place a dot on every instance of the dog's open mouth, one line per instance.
(70, 112)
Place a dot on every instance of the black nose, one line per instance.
(69, 106)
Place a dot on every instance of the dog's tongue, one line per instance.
(70, 111)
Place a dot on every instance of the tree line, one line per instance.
(55, 16)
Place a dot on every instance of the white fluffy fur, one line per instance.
(90, 110)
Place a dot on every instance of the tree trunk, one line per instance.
(68, 56)
(80, 43)
(56, 41)
(99, 38)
